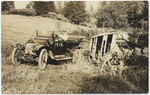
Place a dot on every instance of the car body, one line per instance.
(48, 44)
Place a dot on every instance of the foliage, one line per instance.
(43, 7)
(7, 5)
(75, 11)
(26, 12)
(116, 14)
(53, 15)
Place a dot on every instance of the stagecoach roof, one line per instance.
(101, 34)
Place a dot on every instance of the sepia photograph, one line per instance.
(74, 47)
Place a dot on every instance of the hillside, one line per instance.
(67, 78)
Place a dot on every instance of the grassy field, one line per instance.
(61, 78)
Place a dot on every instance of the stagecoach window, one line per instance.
(98, 47)
(92, 44)
(103, 49)
(108, 45)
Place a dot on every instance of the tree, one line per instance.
(60, 7)
(7, 5)
(51, 6)
(75, 11)
(110, 16)
(91, 11)
(116, 14)
(43, 7)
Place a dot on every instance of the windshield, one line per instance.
(44, 33)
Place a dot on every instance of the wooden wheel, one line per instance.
(43, 59)
(16, 54)
(112, 66)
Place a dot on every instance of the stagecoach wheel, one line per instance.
(15, 56)
(112, 66)
(43, 59)
(76, 56)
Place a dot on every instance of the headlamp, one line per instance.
(33, 46)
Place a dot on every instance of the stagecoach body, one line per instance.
(109, 51)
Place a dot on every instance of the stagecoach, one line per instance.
(110, 50)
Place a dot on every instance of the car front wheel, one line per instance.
(16, 54)
(43, 59)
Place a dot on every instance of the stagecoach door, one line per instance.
(104, 41)
(98, 47)
(93, 46)
(106, 44)
(109, 43)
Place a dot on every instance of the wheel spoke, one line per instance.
(43, 59)
(112, 66)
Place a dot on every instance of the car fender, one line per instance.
(18, 45)
(39, 47)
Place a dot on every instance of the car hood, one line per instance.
(39, 42)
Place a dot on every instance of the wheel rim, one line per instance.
(15, 56)
(43, 59)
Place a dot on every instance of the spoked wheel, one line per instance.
(112, 66)
(16, 54)
(76, 56)
(43, 59)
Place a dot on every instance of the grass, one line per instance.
(66, 78)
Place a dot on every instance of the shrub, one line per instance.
(53, 15)
(26, 12)
(42, 7)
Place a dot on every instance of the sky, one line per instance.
(22, 4)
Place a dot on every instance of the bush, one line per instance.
(53, 15)
(26, 12)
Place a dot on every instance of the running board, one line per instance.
(66, 58)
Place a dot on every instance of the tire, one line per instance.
(15, 57)
(43, 59)
(76, 56)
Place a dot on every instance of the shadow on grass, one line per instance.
(96, 85)
(133, 80)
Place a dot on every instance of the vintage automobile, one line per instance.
(44, 45)
(110, 50)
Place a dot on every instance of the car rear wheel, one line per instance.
(76, 56)
(16, 56)
(43, 59)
